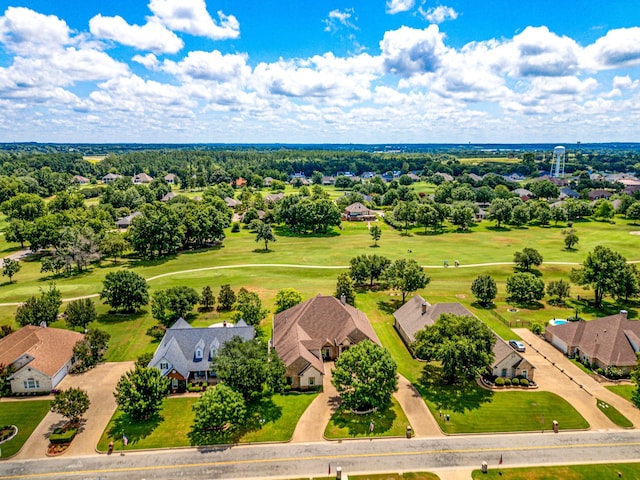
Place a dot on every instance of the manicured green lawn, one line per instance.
(24, 414)
(475, 410)
(625, 391)
(385, 476)
(270, 421)
(390, 423)
(613, 414)
(569, 472)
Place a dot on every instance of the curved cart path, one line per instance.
(291, 265)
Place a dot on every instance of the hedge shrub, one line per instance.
(499, 382)
(62, 436)
(524, 382)
(507, 382)
(515, 381)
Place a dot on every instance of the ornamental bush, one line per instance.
(524, 382)
(499, 382)
(507, 382)
(515, 382)
(62, 436)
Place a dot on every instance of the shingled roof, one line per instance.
(179, 344)
(610, 339)
(411, 319)
(48, 349)
(312, 324)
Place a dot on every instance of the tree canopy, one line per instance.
(524, 288)
(365, 376)
(219, 409)
(125, 289)
(71, 403)
(247, 367)
(527, 258)
(602, 271)
(463, 344)
(287, 298)
(484, 288)
(141, 391)
(172, 303)
(406, 276)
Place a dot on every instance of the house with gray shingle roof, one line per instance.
(611, 341)
(41, 357)
(358, 212)
(185, 353)
(417, 313)
(315, 331)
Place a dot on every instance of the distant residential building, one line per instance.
(445, 176)
(110, 177)
(358, 212)
(597, 194)
(267, 181)
(523, 193)
(566, 192)
(274, 197)
(185, 353)
(328, 180)
(231, 202)
(171, 178)
(240, 182)
(125, 222)
(80, 179)
(140, 178)
(41, 357)
(476, 178)
(168, 196)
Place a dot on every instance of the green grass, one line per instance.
(384, 476)
(270, 420)
(625, 391)
(613, 414)
(24, 414)
(473, 409)
(483, 244)
(389, 423)
(567, 472)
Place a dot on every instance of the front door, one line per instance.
(326, 353)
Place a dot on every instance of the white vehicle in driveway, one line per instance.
(517, 345)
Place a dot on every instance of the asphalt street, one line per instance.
(313, 459)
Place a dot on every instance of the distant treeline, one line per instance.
(213, 165)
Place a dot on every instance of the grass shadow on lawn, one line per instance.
(458, 398)
(133, 429)
(112, 318)
(259, 412)
(359, 425)
(390, 306)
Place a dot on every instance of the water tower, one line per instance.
(558, 161)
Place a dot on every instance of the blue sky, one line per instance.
(316, 71)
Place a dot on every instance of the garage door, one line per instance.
(559, 344)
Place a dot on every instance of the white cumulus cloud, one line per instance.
(26, 32)
(439, 14)
(618, 48)
(407, 51)
(397, 6)
(191, 16)
(152, 36)
(338, 18)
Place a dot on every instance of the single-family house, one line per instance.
(185, 353)
(231, 202)
(328, 180)
(566, 192)
(125, 222)
(273, 197)
(140, 178)
(80, 180)
(110, 177)
(267, 181)
(475, 177)
(445, 176)
(41, 357)
(413, 177)
(417, 313)
(605, 342)
(514, 177)
(598, 193)
(523, 193)
(171, 178)
(240, 182)
(315, 331)
(358, 212)
(168, 196)
(508, 363)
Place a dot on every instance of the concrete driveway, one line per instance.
(99, 383)
(564, 379)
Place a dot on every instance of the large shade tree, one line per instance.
(141, 391)
(220, 409)
(602, 271)
(463, 344)
(406, 276)
(365, 376)
(125, 290)
(71, 404)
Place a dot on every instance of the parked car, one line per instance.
(517, 345)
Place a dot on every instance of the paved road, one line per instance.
(305, 459)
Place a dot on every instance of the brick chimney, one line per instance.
(424, 308)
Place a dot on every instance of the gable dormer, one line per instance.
(215, 345)
(199, 350)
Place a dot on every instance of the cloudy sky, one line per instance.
(320, 71)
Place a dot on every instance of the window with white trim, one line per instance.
(31, 383)
(164, 366)
(198, 354)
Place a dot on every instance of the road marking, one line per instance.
(316, 457)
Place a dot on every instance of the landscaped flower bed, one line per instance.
(7, 432)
